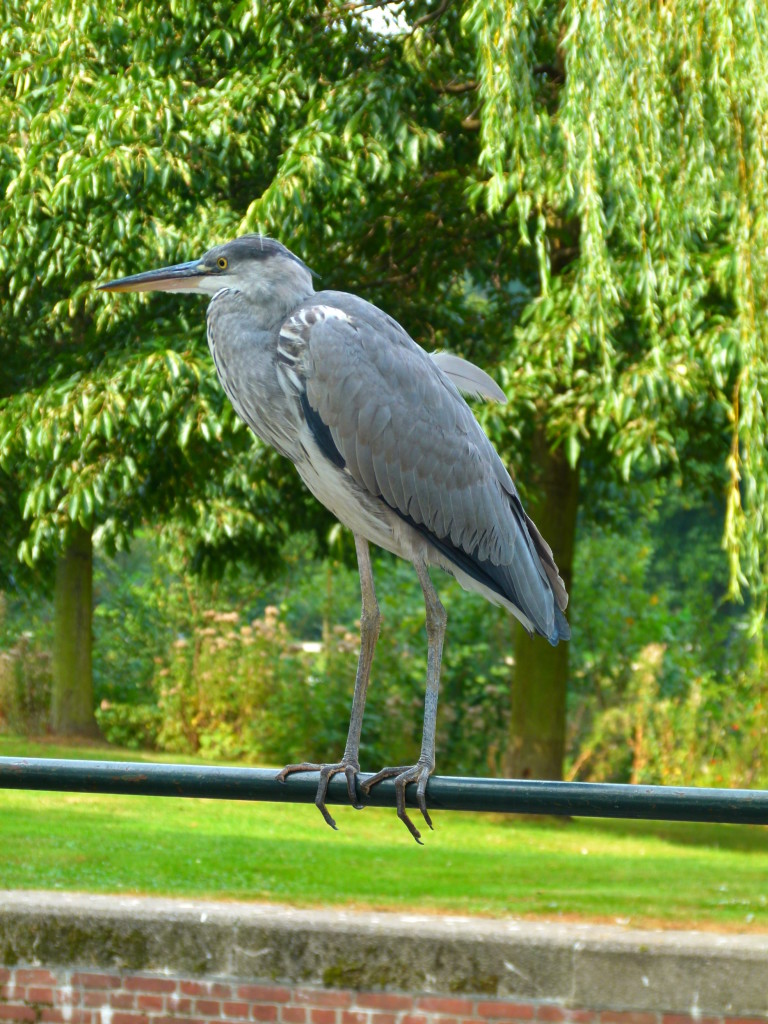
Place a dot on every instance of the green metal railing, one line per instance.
(512, 796)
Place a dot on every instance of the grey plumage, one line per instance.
(380, 433)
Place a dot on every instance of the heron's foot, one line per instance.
(348, 765)
(418, 773)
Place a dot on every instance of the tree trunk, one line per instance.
(72, 697)
(537, 722)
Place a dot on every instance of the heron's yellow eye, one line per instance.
(222, 263)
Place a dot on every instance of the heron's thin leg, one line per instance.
(436, 620)
(370, 619)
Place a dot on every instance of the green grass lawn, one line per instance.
(637, 872)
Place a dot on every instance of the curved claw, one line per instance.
(418, 773)
(327, 771)
(351, 771)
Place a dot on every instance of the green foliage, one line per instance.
(131, 726)
(216, 668)
(115, 414)
(570, 192)
(25, 687)
(246, 668)
(627, 148)
(712, 734)
(25, 669)
(111, 412)
(666, 687)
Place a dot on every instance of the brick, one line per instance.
(627, 1017)
(93, 979)
(263, 1011)
(553, 1013)
(180, 1006)
(130, 1018)
(241, 1010)
(220, 990)
(383, 1018)
(122, 1000)
(683, 1018)
(323, 997)
(293, 1015)
(581, 1016)
(17, 1013)
(324, 1016)
(744, 1020)
(213, 988)
(355, 1017)
(138, 984)
(208, 1007)
(384, 1001)
(505, 1011)
(179, 1020)
(5, 975)
(413, 1018)
(50, 1016)
(454, 1007)
(206, 988)
(95, 1000)
(34, 976)
(193, 988)
(149, 1002)
(264, 993)
(38, 994)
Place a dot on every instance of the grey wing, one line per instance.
(399, 426)
(468, 378)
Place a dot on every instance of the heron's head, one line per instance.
(260, 268)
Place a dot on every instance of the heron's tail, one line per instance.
(562, 630)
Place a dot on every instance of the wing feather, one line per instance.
(394, 472)
(468, 378)
(405, 433)
(365, 466)
(372, 420)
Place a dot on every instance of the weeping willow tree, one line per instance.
(625, 146)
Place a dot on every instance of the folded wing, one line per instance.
(391, 417)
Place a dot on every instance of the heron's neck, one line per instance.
(273, 295)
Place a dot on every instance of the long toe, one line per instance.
(418, 773)
(421, 798)
(291, 769)
(411, 775)
(351, 773)
(327, 771)
(385, 773)
(326, 774)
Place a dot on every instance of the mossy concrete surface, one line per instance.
(575, 965)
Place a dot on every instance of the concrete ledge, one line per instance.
(573, 965)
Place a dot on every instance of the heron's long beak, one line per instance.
(183, 277)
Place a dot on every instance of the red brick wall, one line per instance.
(79, 997)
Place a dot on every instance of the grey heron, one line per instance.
(380, 433)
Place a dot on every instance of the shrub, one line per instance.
(25, 687)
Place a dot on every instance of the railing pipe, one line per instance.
(511, 796)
